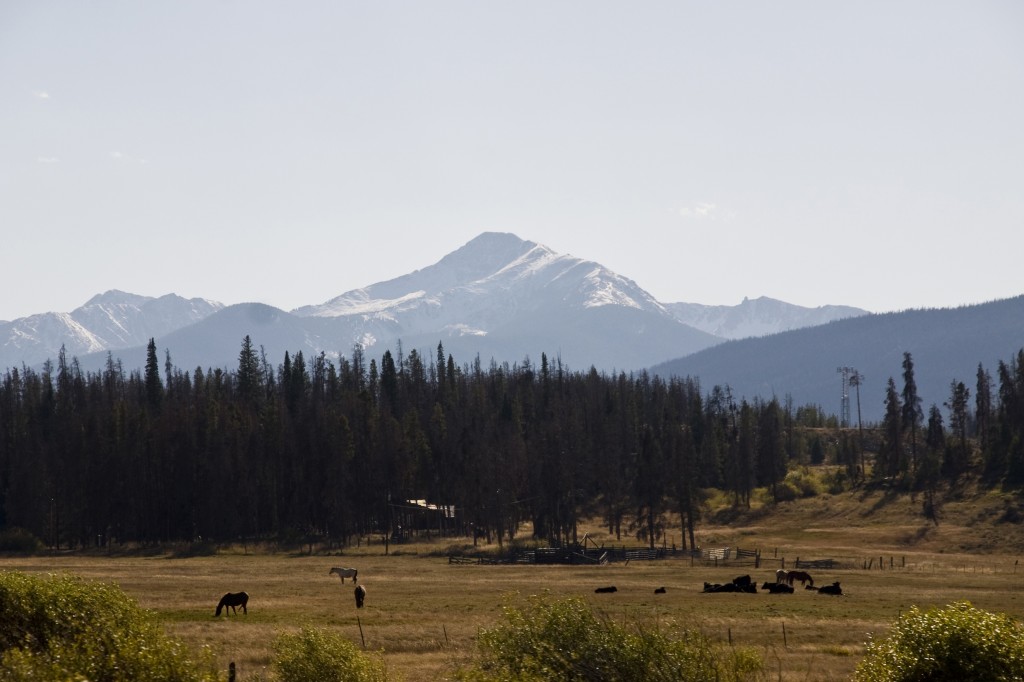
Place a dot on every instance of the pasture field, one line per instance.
(423, 613)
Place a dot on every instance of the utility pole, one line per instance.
(855, 379)
(844, 404)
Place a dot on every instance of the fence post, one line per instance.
(231, 671)
(785, 642)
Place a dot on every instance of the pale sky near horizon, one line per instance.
(867, 154)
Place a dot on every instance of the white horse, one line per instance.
(344, 573)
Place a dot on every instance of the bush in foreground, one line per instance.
(955, 643)
(18, 540)
(316, 655)
(565, 640)
(63, 628)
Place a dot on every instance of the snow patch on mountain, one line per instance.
(109, 321)
(757, 317)
(483, 284)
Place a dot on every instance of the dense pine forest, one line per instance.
(311, 448)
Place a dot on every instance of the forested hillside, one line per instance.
(310, 448)
(947, 344)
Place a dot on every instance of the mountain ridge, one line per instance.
(497, 297)
(946, 344)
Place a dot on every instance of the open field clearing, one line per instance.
(424, 613)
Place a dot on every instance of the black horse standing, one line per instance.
(233, 600)
(360, 596)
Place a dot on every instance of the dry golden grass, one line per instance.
(424, 613)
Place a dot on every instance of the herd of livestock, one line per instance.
(783, 585)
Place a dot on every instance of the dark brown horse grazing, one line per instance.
(233, 600)
(803, 576)
(360, 596)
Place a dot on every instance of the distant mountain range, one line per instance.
(505, 299)
(111, 321)
(499, 297)
(757, 317)
(945, 345)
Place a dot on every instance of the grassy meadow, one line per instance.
(423, 613)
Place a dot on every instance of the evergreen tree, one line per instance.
(890, 453)
(935, 446)
(912, 414)
(983, 416)
(771, 449)
(154, 388)
(959, 456)
(248, 375)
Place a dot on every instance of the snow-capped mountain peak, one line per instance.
(497, 296)
(757, 317)
(475, 286)
(109, 321)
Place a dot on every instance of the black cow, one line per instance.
(833, 589)
(660, 590)
(719, 587)
(777, 588)
(730, 587)
(604, 590)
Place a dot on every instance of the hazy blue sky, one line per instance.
(859, 153)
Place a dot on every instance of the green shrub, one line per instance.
(804, 482)
(18, 540)
(565, 640)
(62, 628)
(958, 642)
(316, 655)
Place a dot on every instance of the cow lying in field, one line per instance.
(603, 590)
(740, 584)
(777, 588)
(833, 589)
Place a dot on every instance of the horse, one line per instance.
(344, 573)
(360, 592)
(782, 576)
(802, 576)
(233, 600)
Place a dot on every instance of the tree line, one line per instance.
(338, 449)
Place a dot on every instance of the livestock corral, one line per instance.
(423, 612)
